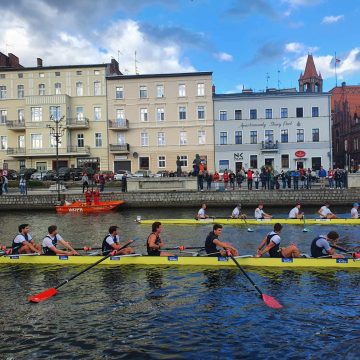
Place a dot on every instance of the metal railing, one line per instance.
(121, 124)
(125, 148)
(49, 151)
(15, 124)
(77, 122)
(270, 145)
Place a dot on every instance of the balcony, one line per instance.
(15, 125)
(269, 146)
(121, 124)
(120, 149)
(49, 152)
(77, 123)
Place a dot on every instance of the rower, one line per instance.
(325, 212)
(88, 197)
(324, 245)
(295, 212)
(260, 214)
(271, 244)
(212, 241)
(202, 213)
(154, 243)
(52, 239)
(236, 213)
(111, 243)
(23, 242)
(354, 211)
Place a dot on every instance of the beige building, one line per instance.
(33, 98)
(155, 118)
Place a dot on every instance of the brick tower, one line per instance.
(311, 81)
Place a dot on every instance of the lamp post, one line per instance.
(57, 131)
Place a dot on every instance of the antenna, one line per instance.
(136, 62)
(279, 82)
(267, 80)
(6, 47)
(119, 52)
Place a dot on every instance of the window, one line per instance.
(80, 140)
(97, 88)
(78, 72)
(284, 113)
(36, 141)
(42, 89)
(161, 138)
(22, 164)
(98, 140)
(120, 116)
(41, 75)
(2, 92)
(223, 115)
(144, 114)
(159, 91)
(55, 113)
(21, 141)
(144, 163)
(97, 113)
(144, 139)
(120, 139)
(299, 112)
(253, 114)
(238, 114)
(316, 163)
(223, 138)
(57, 88)
(3, 143)
(268, 114)
(238, 137)
(201, 137)
(184, 160)
(285, 136)
(160, 114)
(183, 138)
(21, 115)
(57, 73)
(315, 111)
(20, 75)
(2, 76)
(300, 135)
(253, 137)
(79, 89)
(161, 161)
(269, 136)
(20, 91)
(96, 72)
(315, 135)
(36, 114)
(182, 113)
(201, 112)
(200, 89)
(356, 144)
(182, 90)
(223, 165)
(3, 116)
(253, 161)
(285, 161)
(80, 113)
(143, 92)
(119, 94)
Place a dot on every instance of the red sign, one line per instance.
(300, 153)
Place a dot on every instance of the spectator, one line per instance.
(330, 175)
(226, 178)
(5, 185)
(263, 180)
(209, 179)
(85, 182)
(1, 184)
(22, 186)
(296, 176)
(200, 178)
(216, 179)
(239, 179)
(124, 183)
(308, 179)
(322, 177)
(302, 178)
(232, 180)
(283, 179)
(268, 178)
(102, 182)
(288, 178)
(256, 179)
(250, 179)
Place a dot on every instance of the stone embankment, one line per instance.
(189, 198)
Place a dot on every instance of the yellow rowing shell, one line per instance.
(214, 262)
(229, 221)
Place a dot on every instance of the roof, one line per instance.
(55, 67)
(147, 76)
(279, 93)
(310, 69)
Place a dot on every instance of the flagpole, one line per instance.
(335, 71)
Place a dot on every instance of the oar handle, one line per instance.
(182, 248)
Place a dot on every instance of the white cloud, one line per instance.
(297, 48)
(332, 19)
(223, 56)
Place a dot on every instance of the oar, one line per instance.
(268, 300)
(305, 229)
(347, 251)
(53, 291)
(249, 229)
(182, 248)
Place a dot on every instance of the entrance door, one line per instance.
(299, 165)
(62, 163)
(143, 163)
(238, 166)
(122, 165)
(269, 162)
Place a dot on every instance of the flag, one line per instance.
(337, 61)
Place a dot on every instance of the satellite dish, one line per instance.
(135, 154)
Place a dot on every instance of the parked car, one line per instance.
(64, 173)
(38, 175)
(26, 173)
(76, 174)
(143, 173)
(49, 175)
(119, 174)
(12, 174)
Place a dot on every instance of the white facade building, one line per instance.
(282, 128)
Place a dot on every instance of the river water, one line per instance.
(176, 313)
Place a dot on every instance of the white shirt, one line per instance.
(275, 239)
(201, 213)
(294, 213)
(259, 213)
(47, 242)
(324, 211)
(110, 239)
(235, 213)
(354, 213)
(20, 238)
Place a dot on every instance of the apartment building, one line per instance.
(34, 101)
(156, 117)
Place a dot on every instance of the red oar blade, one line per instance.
(43, 295)
(271, 302)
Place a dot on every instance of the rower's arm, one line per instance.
(223, 244)
(60, 252)
(68, 246)
(32, 247)
(266, 249)
(262, 244)
(320, 212)
(152, 244)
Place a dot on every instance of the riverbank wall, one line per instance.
(186, 198)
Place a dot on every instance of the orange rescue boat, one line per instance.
(83, 207)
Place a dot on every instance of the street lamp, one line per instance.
(57, 133)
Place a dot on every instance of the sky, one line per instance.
(245, 43)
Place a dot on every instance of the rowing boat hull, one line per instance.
(81, 207)
(225, 221)
(213, 262)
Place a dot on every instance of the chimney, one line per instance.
(213, 89)
(114, 67)
(39, 62)
(13, 61)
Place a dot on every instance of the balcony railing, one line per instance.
(120, 149)
(15, 151)
(63, 151)
(77, 123)
(120, 124)
(269, 146)
(15, 125)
